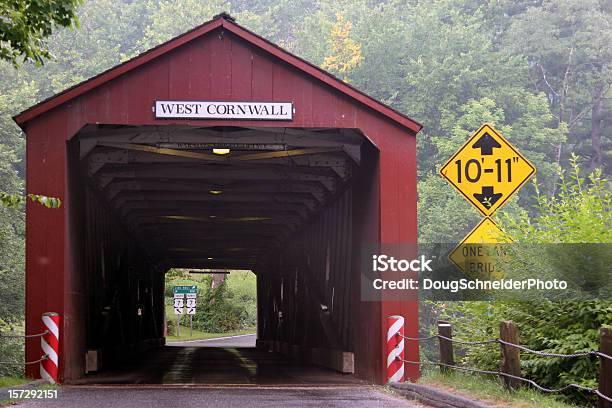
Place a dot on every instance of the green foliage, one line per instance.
(554, 327)
(569, 48)
(242, 285)
(25, 24)
(171, 18)
(229, 307)
(11, 270)
(569, 233)
(12, 350)
(580, 213)
(11, 243)
(217, 312)
(15, 200)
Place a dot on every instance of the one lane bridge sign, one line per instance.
(487, 170)
(476, 255)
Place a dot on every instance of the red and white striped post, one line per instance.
(395, 349)
(50, 347)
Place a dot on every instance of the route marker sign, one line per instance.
(477, 253)
(487, 170)
(178, 303)
(191, 303)
(180, 292)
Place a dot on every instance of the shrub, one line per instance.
(218, 311)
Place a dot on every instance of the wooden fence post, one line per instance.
(510, 359)
(605, 367)
(446, 346)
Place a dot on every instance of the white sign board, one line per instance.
(178, 303)
(191, 303)
(223, 110)
(178, 306)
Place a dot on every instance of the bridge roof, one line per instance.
(228, 23)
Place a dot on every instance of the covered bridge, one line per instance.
(316, 170)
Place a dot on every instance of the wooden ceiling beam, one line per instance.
(214, 208)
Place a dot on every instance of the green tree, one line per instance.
(171, 18)
(11, 244)
(26, 24)
(218, 310)
(569, 48)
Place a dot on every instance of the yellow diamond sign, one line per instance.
(476, 254)
(487, 170)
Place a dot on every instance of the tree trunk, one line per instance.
(217, 279)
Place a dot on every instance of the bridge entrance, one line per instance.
(155, 171)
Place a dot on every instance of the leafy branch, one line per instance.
(17, 200)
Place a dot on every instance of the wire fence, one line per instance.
(500, 341)
(23, 336)
(488, 342)
(43, 358)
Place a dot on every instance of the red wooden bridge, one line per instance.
(321, 172)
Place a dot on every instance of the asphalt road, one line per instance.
(234, 397)
(245, 340)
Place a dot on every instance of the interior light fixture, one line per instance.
(212, 216)
(210, 258)
(215, 192)
(220, 151)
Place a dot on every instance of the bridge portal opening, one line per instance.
(279, 202)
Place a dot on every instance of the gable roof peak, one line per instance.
(224, 15)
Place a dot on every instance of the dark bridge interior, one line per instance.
(193, 208)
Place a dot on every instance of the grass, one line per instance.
(9, 381)
(490, 391)
(199, 335)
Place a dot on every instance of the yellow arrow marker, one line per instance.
(487, 170)
(476, 255)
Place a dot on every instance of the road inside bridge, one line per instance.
(226, 361)
(224, 372)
